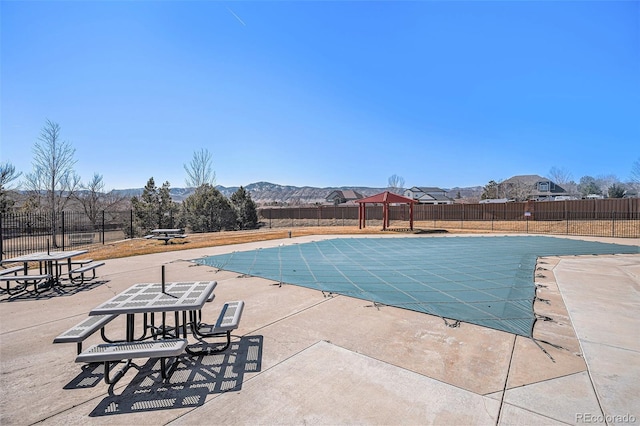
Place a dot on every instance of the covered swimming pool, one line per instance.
(488, 281)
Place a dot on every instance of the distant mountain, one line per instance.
(269, 193)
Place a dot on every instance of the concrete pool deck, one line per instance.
(300, 357)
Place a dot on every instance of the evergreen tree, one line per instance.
(616, 191)
(144, 208)
(207, 210)
(245, 209)
(167, 209)
(154, 208)
(7, 175)
(588, 185)
(490, 191)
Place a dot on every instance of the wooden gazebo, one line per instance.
(385, 198)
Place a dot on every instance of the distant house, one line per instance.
(530, 187)
(341, 197)
(428, 195)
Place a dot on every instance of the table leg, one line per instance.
(130, 327)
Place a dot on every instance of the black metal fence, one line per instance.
(22, 233)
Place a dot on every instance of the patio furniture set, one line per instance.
(161, 337)
(54, 269)
(166, 235)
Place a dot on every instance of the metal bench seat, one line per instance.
(14, 270)
(80, 278)
(79, 332)
(126, 351)
(23, 281)
(228, 320)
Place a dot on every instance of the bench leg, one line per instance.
(19, 288)
(167, 373)
(81, 279)
(208, 350)
(103, 334)
(43, 284)
(107, 371)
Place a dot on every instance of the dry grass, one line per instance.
(140, 246)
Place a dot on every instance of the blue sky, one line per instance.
(325, 93)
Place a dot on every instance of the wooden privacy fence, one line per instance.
(604, 218)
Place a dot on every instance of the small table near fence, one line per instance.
(166, 234)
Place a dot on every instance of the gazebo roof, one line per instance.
(386, 197)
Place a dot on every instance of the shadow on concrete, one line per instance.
(194, 379)
(56, 291)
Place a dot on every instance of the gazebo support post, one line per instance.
(411, 216)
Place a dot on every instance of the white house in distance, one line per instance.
(428, 195)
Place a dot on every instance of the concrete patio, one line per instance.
(300, 357)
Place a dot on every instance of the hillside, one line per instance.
(268, 193)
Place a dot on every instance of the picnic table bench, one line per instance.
(22, 281)
(165, 341)
(13, 270)
(79, 332)
(126, 351)
(166, 234)
(79, 277)
(228, 320)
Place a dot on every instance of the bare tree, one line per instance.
(53, 180)
(93, 198)
(199, 170)
(605, 182)
(561, 176)
(7, 175)
(635, 173)
(395, 184)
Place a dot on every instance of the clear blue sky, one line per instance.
(325, 93)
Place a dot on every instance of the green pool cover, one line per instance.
(488, 281)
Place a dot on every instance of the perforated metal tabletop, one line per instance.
(148, 297)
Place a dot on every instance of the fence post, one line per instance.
(63, 230)
(613, 224)
(131, 222)
(103, 227)
(1, 238)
